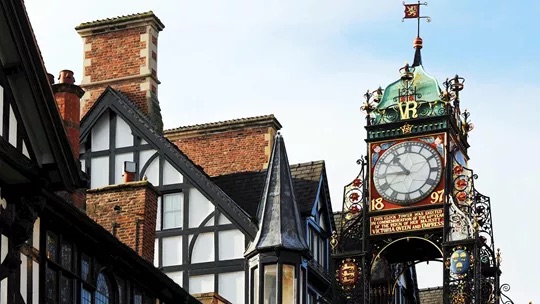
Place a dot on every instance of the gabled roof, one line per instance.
(23, 69)
(278, 217)
(115, 101)
(246, 187)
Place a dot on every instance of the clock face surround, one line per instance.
(407, 172)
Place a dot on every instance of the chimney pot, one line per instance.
(128, 177)
(66, 76)
(51, 78)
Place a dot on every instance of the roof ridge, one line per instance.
(313, 162)
(223, 122)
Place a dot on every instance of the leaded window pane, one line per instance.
(52, 246)
(102, 290)
(66, 290)
(85, 267)
(172, 210)
(86, 296)
(137, 298)
(67, 254)
(51, 283)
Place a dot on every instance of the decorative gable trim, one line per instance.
(115, 101)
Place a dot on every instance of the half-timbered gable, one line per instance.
(201, 232)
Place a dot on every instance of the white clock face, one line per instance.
(407, 172)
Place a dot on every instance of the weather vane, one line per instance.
(412, 11)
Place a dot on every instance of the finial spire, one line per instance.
(279, 220)
(412, 11)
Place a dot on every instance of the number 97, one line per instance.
(437, 196)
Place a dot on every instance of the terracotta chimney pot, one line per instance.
(66, 76)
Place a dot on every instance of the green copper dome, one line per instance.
(403, 100)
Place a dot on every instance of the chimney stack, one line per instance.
(68, 95)
(129, 212)
(121, 52)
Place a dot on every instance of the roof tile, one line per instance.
(246, 188)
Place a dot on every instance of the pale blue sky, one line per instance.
(309, 62)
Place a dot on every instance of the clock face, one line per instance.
(407, 172)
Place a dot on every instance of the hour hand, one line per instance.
(396, 161)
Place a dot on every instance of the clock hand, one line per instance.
(398, 173)
(396, 161)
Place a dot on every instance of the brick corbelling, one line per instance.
(136, 217)
(229, 152)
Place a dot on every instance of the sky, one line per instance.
(309, 62)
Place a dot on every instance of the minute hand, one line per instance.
(396, 161)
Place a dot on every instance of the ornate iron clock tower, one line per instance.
(414, 199)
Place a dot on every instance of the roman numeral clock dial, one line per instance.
(407, 172)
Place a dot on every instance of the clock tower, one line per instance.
(414, 199)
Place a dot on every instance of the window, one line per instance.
(172, 210)
(102, 290)
(86, 296)
(137, 298)
(255, 284)
(85, 268)
(270, 284)
(66, 290)
(318, 247)
(71, 276)
(52, 246)
(50, 281)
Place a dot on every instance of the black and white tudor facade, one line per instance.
(50, 251)
(204, 224)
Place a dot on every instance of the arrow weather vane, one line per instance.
(412, 11)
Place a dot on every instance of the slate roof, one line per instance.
(279, 221)
(246, 188)
(121, 19)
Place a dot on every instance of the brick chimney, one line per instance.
(121, 52)
(68, 96)
(225, 147)
(68, 100)
(129, 212)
